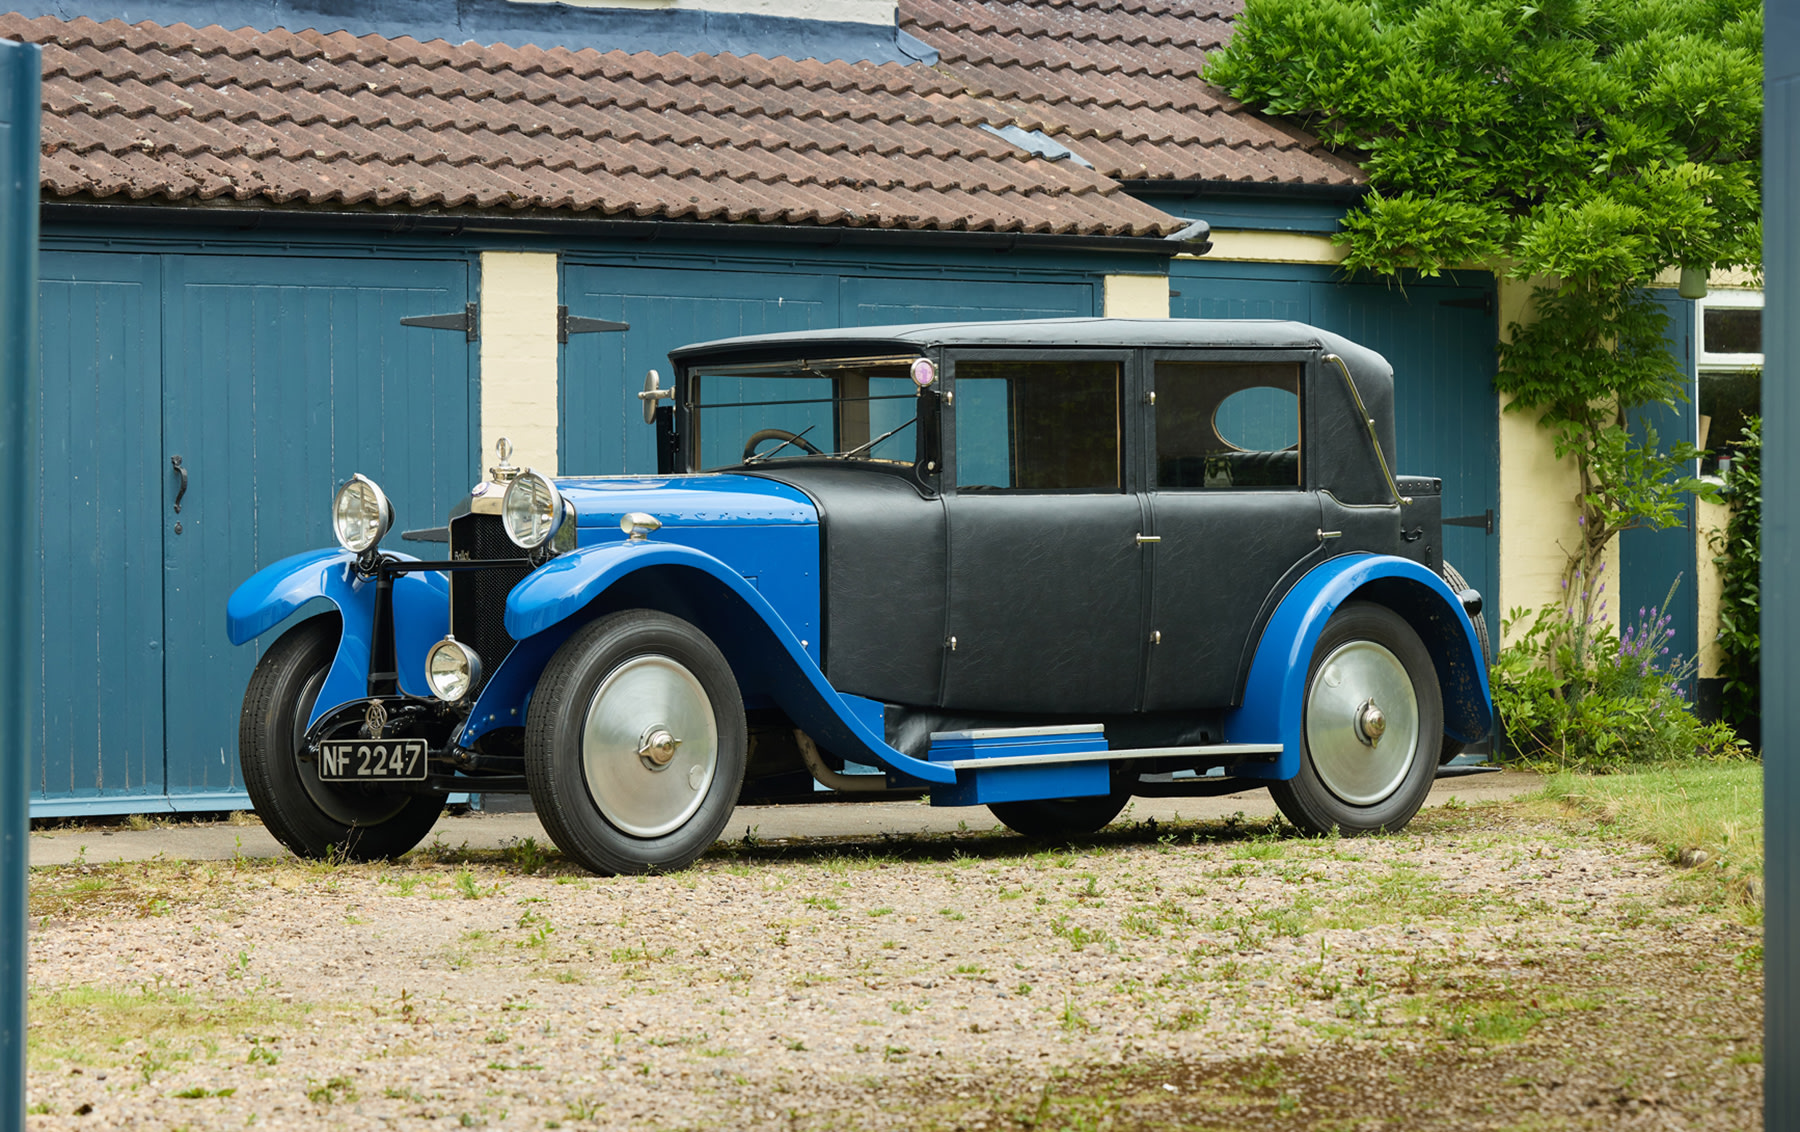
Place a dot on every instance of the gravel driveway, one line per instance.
(1491, 964)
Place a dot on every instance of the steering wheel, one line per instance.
(793, 438)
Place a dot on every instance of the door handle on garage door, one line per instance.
(175, 462)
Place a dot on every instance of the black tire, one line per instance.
(1367, 655)
(313, 818)
(1058, 818)
(1454, 747)
(613, 686)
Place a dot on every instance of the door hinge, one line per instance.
(467, 322)
(1485, 521)
(567, 324)
(1482, 303)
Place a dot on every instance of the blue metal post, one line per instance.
(1781, 555)
(19, 102)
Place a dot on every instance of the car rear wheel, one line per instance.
(1056, 818)
(635, 744)
(315, 819)
(1454, 747)
(1371, 726)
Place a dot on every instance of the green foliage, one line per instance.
(1571, 693)
(1740, 569)
(1591, 140)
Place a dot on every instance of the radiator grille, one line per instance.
(478, 597)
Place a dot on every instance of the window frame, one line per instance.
(1705, 359)
(1130, 424)
(1304, 360)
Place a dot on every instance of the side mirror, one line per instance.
(653, 393)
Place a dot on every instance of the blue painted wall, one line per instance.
(1781, 557)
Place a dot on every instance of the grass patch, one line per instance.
(1715, 808)
(95, 1024)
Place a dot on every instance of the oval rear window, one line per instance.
(1259, 419)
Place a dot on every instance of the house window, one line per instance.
(1730, 358)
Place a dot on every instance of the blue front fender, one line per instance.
(1274, 694)
(421, 617)
(547, 606)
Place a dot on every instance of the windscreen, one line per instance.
(854, 408)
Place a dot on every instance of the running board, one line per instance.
(1014, 764)
(1258, 751)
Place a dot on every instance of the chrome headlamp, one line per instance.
(360, 514)
(451, 669)
(533, 510)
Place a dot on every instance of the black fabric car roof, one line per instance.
(1063, 333)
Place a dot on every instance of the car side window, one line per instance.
(1038, 425)
(1227, 424)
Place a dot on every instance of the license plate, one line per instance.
(362, 760)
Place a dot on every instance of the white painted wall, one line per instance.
(1137, 296)
(519, 293)
(844, 11)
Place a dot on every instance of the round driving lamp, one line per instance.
(532, 511)
(360, 514)
(451, 669)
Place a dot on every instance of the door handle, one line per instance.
(1142, 539)
(175, 462)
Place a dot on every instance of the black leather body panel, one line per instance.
(1046, 602)
(1339, 454)
(1220, 555)
(882, 541)
(1372, 528)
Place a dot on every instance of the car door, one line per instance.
(1046, 576)
(1231, 513)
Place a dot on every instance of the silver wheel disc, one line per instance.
(649, 746)
(1362, 722)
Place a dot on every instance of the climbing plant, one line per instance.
(1584, 146)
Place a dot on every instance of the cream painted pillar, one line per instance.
(519, 401)
(1137, 296)
(1538, 496)
(1709, 520)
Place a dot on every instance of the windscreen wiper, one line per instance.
(759, 457)
(861, 448)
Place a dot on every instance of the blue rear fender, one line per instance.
(421, 617)
(765, 654)
(1275, 691)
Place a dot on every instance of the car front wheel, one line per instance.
(635, 744)
(1371, 726)
(315, 819)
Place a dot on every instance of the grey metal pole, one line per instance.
(1781, 554)
(19, 102)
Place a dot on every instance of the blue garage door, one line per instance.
(1653, 562)
(602, 426)
(1440, 338)
(272, 379)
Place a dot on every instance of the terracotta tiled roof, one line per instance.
(301, 119)
(1117, 82)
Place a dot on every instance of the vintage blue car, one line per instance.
(1040, 566)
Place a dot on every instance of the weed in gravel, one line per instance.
(335, 1090)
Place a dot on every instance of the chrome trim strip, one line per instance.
(1108, 756)
(1380, 458)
